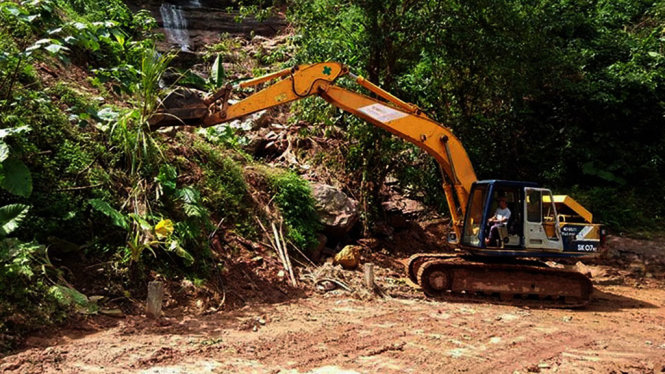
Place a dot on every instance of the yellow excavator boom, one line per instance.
(400, 118)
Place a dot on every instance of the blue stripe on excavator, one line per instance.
(502, 253)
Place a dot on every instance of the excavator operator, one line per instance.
(500, 218)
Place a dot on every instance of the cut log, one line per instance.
(369, 277)
(153, 306)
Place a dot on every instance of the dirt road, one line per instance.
(623, 330)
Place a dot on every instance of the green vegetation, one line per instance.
(568, 94)
(293, 197)
(84, 178)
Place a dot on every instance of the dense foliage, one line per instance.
(565, 93)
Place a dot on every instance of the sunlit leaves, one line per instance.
(217, 75)
(11, 217)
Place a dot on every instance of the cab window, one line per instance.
(534, 205)
(474, 216)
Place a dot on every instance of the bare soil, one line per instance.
(622, 330)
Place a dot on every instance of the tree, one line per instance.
(566, 93)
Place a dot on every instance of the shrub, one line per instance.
(293, 197)
(25, 301)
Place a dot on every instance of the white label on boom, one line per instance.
(382, 113)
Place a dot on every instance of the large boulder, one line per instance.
(252, 122)
(337, 211)
(183, 105)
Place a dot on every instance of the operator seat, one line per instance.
(512, 228)
(514, 223)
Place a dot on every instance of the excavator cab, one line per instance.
(534, 229)
(483, 202)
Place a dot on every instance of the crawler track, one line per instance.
(524, 282)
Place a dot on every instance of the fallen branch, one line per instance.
(287, 257)
(335, 281)
(278, 245)
(79, 188)
(302, 254)
(272, 243)
(276, 241)
(212, 235)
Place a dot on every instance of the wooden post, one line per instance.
(369, 276)
(153, 306)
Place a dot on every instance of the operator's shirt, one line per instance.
(502, 214)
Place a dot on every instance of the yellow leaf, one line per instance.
(164, 228)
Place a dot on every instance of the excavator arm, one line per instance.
(392, 114)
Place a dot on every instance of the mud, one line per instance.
(622, 330)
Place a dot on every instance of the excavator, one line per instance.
(541, 226)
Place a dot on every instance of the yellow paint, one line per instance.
(572, 204)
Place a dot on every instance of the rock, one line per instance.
(258, 39)
(316, 252)
(257, 142)
(182, 105)
(252, 122)
(187, 285)
(348, 257)
(338, 212)
(326, 286)
(580, 267)
(637, 268)
(383, 229)
(403, 205)
(507, 317)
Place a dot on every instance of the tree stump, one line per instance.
(153, 307)
(369, 277)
